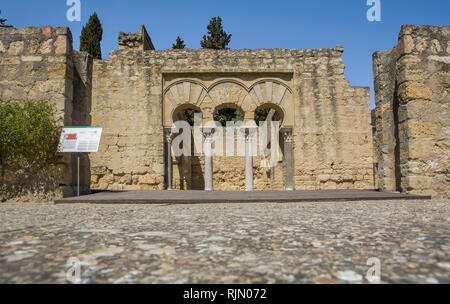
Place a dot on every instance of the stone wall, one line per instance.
(332, 136)
(332, 122)
(81, 65)
(412, 86)
(137, 41)
(34, 65)
(40, 64)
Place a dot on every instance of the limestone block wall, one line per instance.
(386, 132)
(35, 65)
(138, 41)
(330, 120)
(412, 83)
(332, 136)
(38, 63)
(80, 65)
(332, 131)
(127, 103)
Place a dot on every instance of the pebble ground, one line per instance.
(328, 242)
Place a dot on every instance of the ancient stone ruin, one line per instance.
(412, 93)
(325, 137)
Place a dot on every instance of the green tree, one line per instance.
(217, 38)
(29, 135)
(228, 114)
(261, 115)
(188, 115)
(179, 44)
(2, 21)
(91, 36)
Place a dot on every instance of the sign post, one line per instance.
(78, 175)
(79, 140)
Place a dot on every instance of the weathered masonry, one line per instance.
(138, 93)
(40, 64)
(412, 93)
(325, 140)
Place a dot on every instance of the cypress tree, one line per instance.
(217, 38)
(179, 44)
(90, 38)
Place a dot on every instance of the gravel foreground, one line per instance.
(226, 243)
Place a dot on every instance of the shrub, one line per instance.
(29, 135)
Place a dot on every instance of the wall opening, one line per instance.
(228, 112)
(188, 172)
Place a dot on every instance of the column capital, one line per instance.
(288, 135)
(208, 133)
(208, 139)
(250, 135)
(168, 135)
(249, 130)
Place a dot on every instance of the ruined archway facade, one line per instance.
(138, 92)
(207, 93)
(326, 135)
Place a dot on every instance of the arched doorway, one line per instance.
(228, 164)
(270, 169)
(187, 168)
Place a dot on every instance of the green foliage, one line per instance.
(228, 114)
(221, 116)
(217, 38)
(231, 114)
(29, 134)
(2, 21)
(179, 44)
(91, 35)
(188, 115)
(261, 115)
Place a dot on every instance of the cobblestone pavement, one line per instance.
(226, 243)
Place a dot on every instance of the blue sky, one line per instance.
(295, 24)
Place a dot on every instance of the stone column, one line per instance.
(208, 161)
(289, 160)
(169, 161)
(249, 162)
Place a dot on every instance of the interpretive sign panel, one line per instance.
(80, 139)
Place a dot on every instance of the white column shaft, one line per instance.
(208, 165)
(249, 165)
(169, 165)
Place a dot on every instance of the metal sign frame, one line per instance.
(90, 144)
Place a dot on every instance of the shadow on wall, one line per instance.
(190, 172)
(397, 169)
(81, 109)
